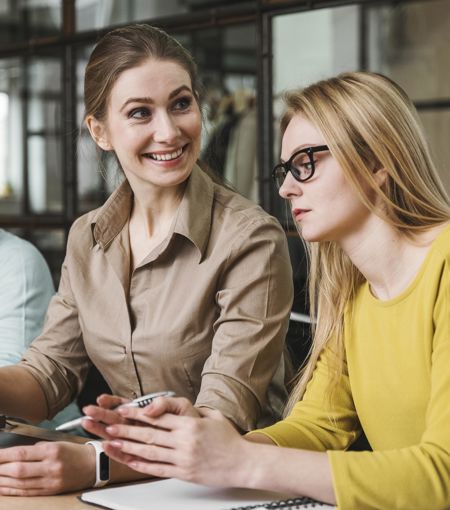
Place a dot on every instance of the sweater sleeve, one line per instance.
(415, 477)
(320, 421)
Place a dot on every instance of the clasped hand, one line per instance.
(171, 438)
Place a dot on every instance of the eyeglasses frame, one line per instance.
(287, 166)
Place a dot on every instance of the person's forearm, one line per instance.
(118, 472)
(21, 395)
(122, 473)
(208, 412)
(257, 437)
(288, 470)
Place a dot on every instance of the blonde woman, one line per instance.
(368, 201)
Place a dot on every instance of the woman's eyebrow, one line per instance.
(149, 100)
(178, 90)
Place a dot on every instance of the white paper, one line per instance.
(177, 495)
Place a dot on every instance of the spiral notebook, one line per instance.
(177, 495)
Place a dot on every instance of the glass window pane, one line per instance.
(28, 19)
(44, 134)
(96, 178)
(332, 37)
(332, 46)
(227, 66)
(410, 43)
(45, 179)
(11, 136)
(52, 244)
(102, 13)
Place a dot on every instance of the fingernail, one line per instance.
(116, 443)
(123, 410)
(111, 429)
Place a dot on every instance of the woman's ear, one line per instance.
(98, 132)
(380, 176)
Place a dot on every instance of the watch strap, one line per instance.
(101, 464)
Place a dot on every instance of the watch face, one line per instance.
(104, 467)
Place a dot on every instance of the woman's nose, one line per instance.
(166, 130)
(290, 187)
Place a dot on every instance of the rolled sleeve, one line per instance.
(57, 358)
(254, 298)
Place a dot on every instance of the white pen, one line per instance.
(143, 401)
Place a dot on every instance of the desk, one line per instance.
(60, 502)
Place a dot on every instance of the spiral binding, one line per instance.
(287, 504)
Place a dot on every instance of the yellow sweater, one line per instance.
(396, 387)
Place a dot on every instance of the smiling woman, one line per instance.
(155, 137)
(175, 283)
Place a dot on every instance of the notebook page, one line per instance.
(177, 495)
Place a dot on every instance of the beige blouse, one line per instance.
(205, 313)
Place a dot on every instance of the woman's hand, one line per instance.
(103, 414)
(174, 405)
(46, 468)
(205, 450)
(107, 413)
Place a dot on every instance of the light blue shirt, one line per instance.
(26, 288)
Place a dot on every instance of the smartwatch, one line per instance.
(101, 464)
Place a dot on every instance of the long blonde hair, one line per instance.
(368, 122)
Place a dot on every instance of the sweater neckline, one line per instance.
(415, 281)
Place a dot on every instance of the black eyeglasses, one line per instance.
(301, 165)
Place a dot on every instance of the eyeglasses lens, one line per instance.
(302, 166)
(280, 176)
